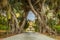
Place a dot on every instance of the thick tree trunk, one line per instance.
(44, 20)
(16, 22)
(13, 19)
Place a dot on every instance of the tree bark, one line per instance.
(13, 18)
(50, 30)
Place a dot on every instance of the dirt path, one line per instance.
(29, 36)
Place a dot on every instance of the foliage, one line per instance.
(36, 26)
(4, 27)
(26, 25)
(3, 20)
(57, 27)
(51, 22)
(58, 15)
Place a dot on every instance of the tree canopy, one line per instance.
(44, 10)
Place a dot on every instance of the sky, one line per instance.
(31, 16)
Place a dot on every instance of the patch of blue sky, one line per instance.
(31, 16)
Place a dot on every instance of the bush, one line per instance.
(51, 22)
(57, 29)
(4, 27)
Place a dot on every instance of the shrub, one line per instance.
(4, 27)
(57, 29)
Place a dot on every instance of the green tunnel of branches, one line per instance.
(41, 8)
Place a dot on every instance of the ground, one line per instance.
(27, 35)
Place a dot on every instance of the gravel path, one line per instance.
(29, 36)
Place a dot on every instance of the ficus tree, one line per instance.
(38, 7)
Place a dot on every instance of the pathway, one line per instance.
(29, 36)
